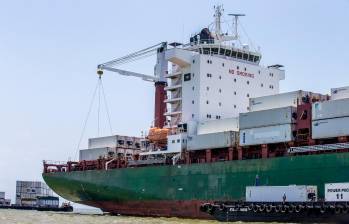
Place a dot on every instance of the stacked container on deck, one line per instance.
(214, 135)
(110, 146)
(331, 118)
(271, 118)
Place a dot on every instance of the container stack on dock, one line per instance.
(28, 192)
(3, 200)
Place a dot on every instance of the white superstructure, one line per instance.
(212, 87)
(212, 79)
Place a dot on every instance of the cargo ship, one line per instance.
(220, 125)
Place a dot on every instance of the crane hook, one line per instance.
(100, 73)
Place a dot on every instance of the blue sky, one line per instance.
(49, 51)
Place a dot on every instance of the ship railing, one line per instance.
(211, 47)
(58, 166)
(54, 162)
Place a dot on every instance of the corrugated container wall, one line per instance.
(277, 116)
(330, 109)
(28, 191)
(212, 141)
(337, 192)
(223, 125)
(340, 93)
(94, 154)
(102, 142)
(117, 141)
(330, 128)
(267, 135)
(2, 195)
(293, 193)
(293, 99)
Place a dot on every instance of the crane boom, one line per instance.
(148, 78)
(158, 78)
(111, 65)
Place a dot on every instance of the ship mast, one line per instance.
(218, 27)
(235, 22)
(217, 15)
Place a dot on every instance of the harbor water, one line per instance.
(34, 217)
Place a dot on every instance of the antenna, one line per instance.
(218, 14)
(236, 17)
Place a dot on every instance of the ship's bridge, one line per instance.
(223, 50)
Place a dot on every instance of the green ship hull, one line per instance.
(179, 190)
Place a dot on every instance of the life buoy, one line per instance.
(250, 207)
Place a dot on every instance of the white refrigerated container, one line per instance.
(221, 125)
(330, 109)
(340, 93)
(212, 141)
(291, 193)
(276, 116)
(267, 135)
(330, 128)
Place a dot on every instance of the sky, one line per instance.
(49, 51)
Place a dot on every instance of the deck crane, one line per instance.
(158, 78)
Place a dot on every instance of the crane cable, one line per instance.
(99, 87)
(86, 119)
(132, 56)
(107, 109)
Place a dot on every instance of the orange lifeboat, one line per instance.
(158, 135)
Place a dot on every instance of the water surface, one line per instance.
(35, 217)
